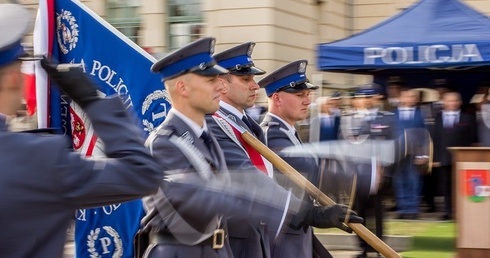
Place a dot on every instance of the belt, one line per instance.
(216, 241)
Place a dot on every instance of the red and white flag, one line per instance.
(28, 68)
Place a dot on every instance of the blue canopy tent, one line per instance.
(431, 39)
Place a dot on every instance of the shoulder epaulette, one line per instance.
(269, 123)
(164, 132)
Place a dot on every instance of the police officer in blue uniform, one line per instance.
(246, 239)
(366, 122)
(188, 216)
(325, 126)
(288, 91)
(42, 183)
(239, 94)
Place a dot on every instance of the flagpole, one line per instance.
(311, 189)
(41, 46)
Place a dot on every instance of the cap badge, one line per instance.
(302, 67)
(250, 49)
(211, 49)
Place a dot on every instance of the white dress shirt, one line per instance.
(406, 113)
(450, 118)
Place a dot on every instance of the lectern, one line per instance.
(471, 189)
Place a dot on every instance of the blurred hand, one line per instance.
(73, 82)
(330, 217)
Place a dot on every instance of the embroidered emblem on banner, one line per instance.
(104, 241)
(78, 131)
(158, 110)
(67, 31)
(84, 138)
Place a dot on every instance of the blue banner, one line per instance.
(119, 67)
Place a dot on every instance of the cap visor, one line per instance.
(293, 90)
(211, 71)
(25, 56)
(311, 86)
(300, 87)
(246, 71)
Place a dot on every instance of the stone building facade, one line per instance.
(284, 30)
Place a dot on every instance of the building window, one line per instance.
(124, 16)
(185, 22)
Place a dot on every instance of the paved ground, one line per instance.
(344, 254)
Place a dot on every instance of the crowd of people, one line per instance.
(417, 178)
(445, 119)
(414, 181)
